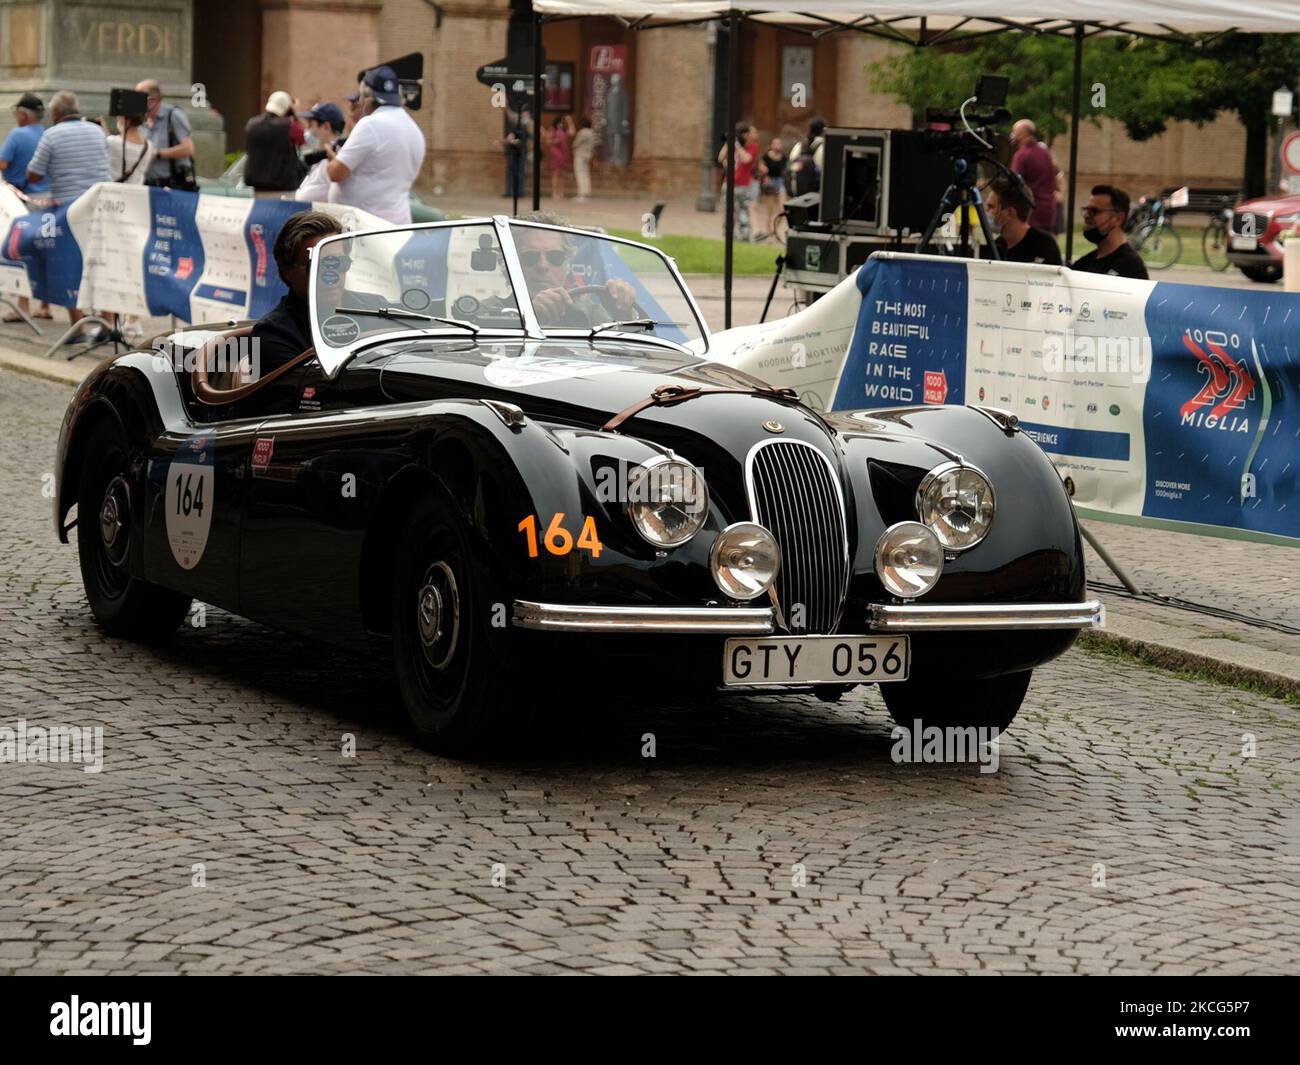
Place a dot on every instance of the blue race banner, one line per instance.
(1161, 402)
(145, 251)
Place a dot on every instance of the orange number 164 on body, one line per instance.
(557, 539)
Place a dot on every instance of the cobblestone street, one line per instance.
(1124, 831)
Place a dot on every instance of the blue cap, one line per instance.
(330, 114)
(384, 84)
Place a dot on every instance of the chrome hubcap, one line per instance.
(438, 615)
(114, 518)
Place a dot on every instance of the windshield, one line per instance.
(443, 278)
(578, 281)
(457, 278)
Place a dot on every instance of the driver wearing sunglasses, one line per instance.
(544, 254)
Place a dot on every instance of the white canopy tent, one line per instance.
(923, 23)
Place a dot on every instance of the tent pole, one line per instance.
(537, 112)
(1074, 141)
(733, 117)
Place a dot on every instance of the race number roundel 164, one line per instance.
(189, 502)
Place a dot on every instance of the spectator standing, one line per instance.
(1034, 163)
(15, 154)
(325, 123)
(804, 168)
(558, 154)
(271, 167)
(584, 147)
(515, 142)
(376, 167)
(73, 155)
(169, 131)
(20, 145)
(744, 174)
(772, 188)
(129, 151)
(1104, 216)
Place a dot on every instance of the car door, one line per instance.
(196, 488)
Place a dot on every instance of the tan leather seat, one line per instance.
(207, 390)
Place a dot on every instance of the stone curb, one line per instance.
(1182, 659)
(53, 369)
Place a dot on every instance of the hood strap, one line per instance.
(667, 395)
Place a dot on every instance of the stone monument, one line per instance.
(92, 47)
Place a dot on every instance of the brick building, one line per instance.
(313, 48)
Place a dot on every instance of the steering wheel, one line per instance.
(601, 293)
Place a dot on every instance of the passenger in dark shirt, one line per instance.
(1009, 204)
(285, 333)
(1104, 216)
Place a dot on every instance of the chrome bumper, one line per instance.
(557, 617)
(963, 617)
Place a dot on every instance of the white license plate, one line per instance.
(815, 660)
(1245, 243)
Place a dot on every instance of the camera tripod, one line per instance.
(961, 195)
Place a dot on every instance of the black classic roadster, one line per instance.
(509, 458)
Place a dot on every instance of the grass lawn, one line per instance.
(703, 255)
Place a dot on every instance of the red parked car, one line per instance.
(1253, 244)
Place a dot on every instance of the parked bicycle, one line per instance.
(1152, 233)
(1216, 235)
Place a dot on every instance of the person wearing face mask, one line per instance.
(1104, 216)
(1009, 204)
(324, 135)
(325, 124)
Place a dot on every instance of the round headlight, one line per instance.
(909, 559)
(667, 501)
(956, 502)
(745, 560)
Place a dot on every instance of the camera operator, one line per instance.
(1009, 205)
(1104, 216)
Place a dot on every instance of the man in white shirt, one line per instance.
(380, 160)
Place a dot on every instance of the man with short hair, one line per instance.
(285, 332)
(168, 129)
(20, 145)
(376, 167)
(72, 153)
(546, 256)
(1009, 205)
(1104, 215)
(15, 154)
(1034, 163)
(271, 166)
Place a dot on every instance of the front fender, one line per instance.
(1034, 552)
(138, 390)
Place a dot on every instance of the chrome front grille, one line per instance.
(794, 492)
